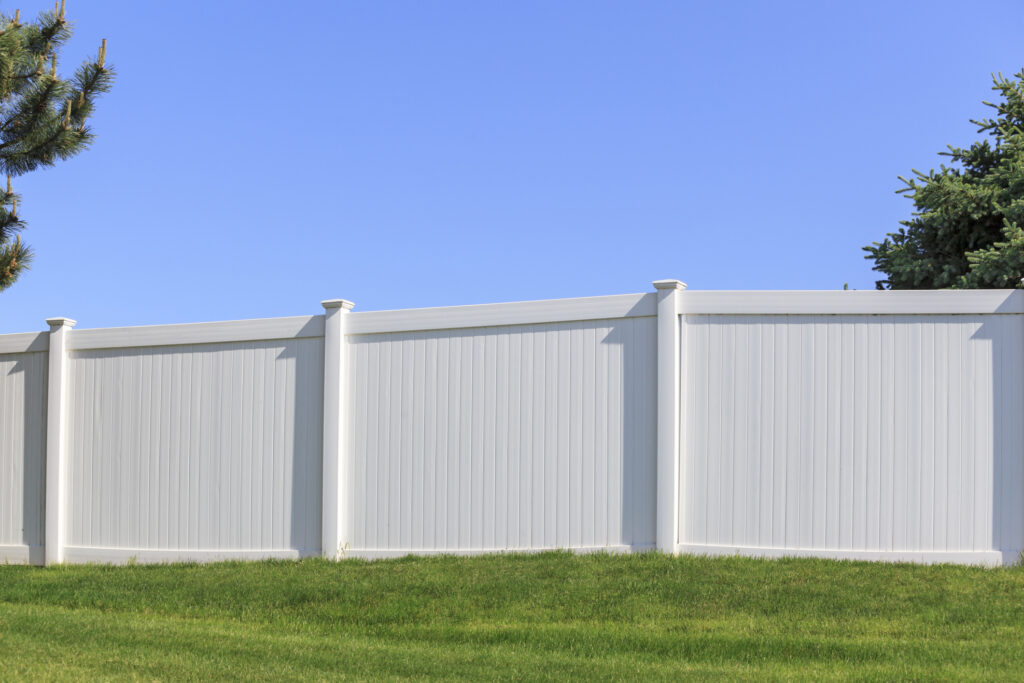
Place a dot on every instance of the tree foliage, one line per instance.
(42, 116)
(968, 227)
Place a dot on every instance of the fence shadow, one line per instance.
(637, 342)
(1005, 333)
(33, 449)
(305, 531)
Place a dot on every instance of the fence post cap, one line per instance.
(56, 323)
(328, 304)
(669, 284)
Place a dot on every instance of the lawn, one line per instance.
(513, 616)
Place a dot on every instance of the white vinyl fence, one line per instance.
(874, 425)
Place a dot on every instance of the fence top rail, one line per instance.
(903, 302)
(24, 342)
(199, 333)
(923, 302)
(493, 315)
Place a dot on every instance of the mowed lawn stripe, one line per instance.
(535, 616)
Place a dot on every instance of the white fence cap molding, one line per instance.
(338, 303)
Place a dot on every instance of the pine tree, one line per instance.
(968, 227)
(42, 116)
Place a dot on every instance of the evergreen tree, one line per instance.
(968, 227)
(42, 116)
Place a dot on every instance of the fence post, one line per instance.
(335, 523)
(667, 496)
(56, 426)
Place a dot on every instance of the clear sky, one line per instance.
(257, 157)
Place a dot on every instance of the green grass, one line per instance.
(514, 616)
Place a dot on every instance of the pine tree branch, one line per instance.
(15, 258)
(34, 107)
(42, 117)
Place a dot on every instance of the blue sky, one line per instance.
(257, 157)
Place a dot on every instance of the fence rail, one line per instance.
(873, 425)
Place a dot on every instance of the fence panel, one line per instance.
(512, 437)
(194, 451)
(866, 433)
